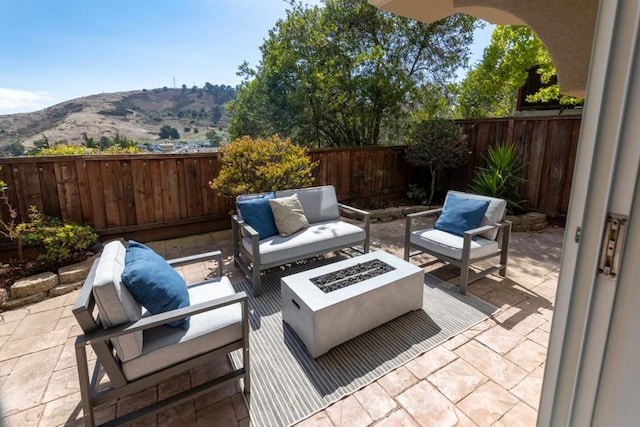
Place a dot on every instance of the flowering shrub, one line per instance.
(261, 165)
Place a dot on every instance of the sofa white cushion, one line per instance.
(495, 211)
(451, 245)
(319, 203)
(317, 238)
(115, 303)
(164, 346)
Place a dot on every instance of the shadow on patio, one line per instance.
(491, 374)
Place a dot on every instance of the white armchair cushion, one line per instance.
(450, 245)
(165, 346)
(115, 303)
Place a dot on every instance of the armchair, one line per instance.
(137, 351)
(489, 238)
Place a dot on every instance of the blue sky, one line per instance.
(54, 51)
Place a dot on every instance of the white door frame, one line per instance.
(585, 346)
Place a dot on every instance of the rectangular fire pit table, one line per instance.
(324, 320)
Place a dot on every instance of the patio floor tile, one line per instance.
(399, 418)
(528, 390)
(540, 336)
(319, 419)
(222, 414)
(375, 400)
(428, 406)
(487, 404)
(528, 355)
(491, 364)
(348, 412)
(397, 381)
(29, 418)
(430, 362)
(34, 369)
(499, 339)
(520, 415)
(457, 380)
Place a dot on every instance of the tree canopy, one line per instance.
(490, 89)
(338, 74)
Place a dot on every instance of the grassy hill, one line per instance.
(136, 115)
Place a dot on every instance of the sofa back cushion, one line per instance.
(256, 212)
(495, 211)
(319, 203)
(115, 303)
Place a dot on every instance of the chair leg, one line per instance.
(85, 387)
(245, 348)
(256, 279)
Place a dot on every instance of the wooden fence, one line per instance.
(154, 196)
(548, 147)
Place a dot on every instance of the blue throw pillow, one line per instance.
(460, 214)
(153, 282)
(257, 213)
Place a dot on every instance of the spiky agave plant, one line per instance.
(502, 176)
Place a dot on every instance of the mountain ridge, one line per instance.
(137, 115)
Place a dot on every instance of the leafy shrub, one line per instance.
(57, 240)
(63, 150)
(501, 177)
(436, 144)
(260, 165)
(417, 192)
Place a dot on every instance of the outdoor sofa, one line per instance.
(259, 244)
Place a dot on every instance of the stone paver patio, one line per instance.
(489, 375)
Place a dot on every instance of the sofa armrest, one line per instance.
(161, 319)
(365, 217)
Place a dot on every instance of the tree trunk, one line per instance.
(433, 185)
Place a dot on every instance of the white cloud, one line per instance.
(21, 101)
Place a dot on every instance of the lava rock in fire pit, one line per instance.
(351, 275)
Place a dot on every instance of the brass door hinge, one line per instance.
(612, 245)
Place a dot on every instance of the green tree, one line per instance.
(261, 165)
(216, 114)
(490, 89)
(15, 149)
(337, 75)
(169, 132)
(436, 144)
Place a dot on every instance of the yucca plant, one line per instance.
(501, 177)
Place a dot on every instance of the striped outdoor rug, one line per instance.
(288, 385)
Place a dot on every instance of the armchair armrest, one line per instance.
(364, 214)
(161, 319)
(366, 217)
(244, 226)
(215, 255)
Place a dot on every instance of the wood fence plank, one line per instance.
(535, 164)
(143, 194)
(97, 194)
(68, 192)
(49, 189)
(114, 212)
(192, 188)
(128, 195)
(27, 185)
(84, 193)
(156, 168)
(170, 189)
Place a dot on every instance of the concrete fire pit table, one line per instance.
(324, 320)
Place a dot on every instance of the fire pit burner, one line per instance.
(351, 275)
